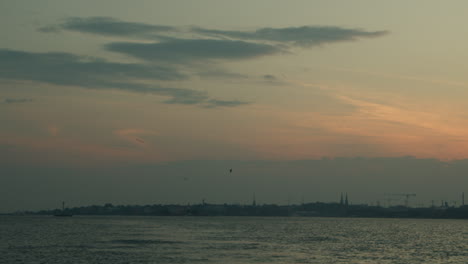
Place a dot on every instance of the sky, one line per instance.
(153, 101)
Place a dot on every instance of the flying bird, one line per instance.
(230, 170)
(139, 140)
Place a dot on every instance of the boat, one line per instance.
(63, 213)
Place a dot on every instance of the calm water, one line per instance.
(231, 240)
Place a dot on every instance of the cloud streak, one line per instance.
(66, 68)
(133, 135)
(170, 50)
(215, 103)
(92, 73)
(180, 50)
(197, 43)
(17, 100)
(305, 36)
(107, 26)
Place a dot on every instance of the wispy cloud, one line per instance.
(221, 74)
(305, 36)
(178, 44)
(70, 69)
(182, 50)
(269, 77)
(107, 26)
(165, 52)
(17, 100)
(403, 77)
(400, 129)
(134, 135)
(215, 103)
(94, 73)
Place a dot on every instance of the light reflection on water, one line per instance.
(121, 239)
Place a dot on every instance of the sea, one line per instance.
(129, 239)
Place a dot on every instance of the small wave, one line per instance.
(144, 241)
(55, 246)
(232, 246)
(319, 239)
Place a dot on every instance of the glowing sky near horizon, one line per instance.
(90, 83)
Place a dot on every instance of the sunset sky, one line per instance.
(92, 85)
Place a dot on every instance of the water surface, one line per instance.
(126, 239)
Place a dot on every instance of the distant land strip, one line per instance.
(317, 209)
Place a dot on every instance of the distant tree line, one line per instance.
(317, 209)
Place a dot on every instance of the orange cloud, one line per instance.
(382, 124)
(60, 151)
(134, 135)
(403, 130)
(405, 77)
(382, 127)
(53, 130)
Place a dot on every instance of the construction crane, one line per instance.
(390, 201)
(406, 195)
